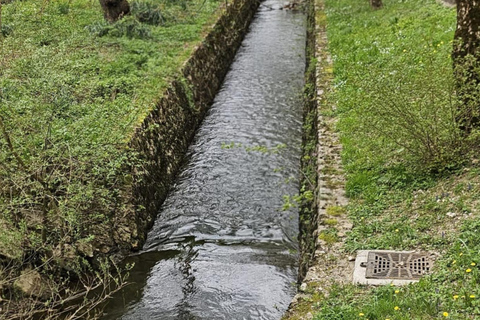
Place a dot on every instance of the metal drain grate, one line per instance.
(396, 265)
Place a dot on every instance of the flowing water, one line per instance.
(222, 247)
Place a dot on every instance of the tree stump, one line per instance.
(114, 10)
(376, 4)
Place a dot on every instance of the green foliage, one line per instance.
(394, 85)
(6, 30)
(147, 12)
(63, 7)
(68, 105)
(128, 27)
(329, 236)
(335, 211)
(330, 222)
(398, 108)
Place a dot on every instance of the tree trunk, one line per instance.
(1, 31)
(114, 10)
(376, 4)
(466, 62)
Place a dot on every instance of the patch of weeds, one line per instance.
(330, 222)
(63, 7)
(6, 30)
(330, 236)
(148, 12)
(335, 211)
(129, 27)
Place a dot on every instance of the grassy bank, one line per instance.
(72, 89)
(412, 178)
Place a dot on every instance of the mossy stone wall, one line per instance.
(165, 134)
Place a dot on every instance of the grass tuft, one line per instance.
(335, 211)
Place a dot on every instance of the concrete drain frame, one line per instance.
(380, 267)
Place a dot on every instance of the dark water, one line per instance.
(221, 247)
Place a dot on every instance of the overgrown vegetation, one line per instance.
(412, 175)
(395, 86)
(71, 91)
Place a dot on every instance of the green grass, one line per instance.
(72, 89)
(403, 197)
(53, 70)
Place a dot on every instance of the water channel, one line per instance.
(222, 247)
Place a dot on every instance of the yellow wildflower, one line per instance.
(396, 230)
(454, 261)
(397, 291)
(445, 314)
(461, 254)
(396, 308)
(455, 297)
(472, 296)
(468, 270)
(473, 264)
(361, 314)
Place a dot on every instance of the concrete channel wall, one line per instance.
(165, 134)
(308, 210)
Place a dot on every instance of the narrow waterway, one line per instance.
(222, 247)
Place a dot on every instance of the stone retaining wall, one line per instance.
(165, 134)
